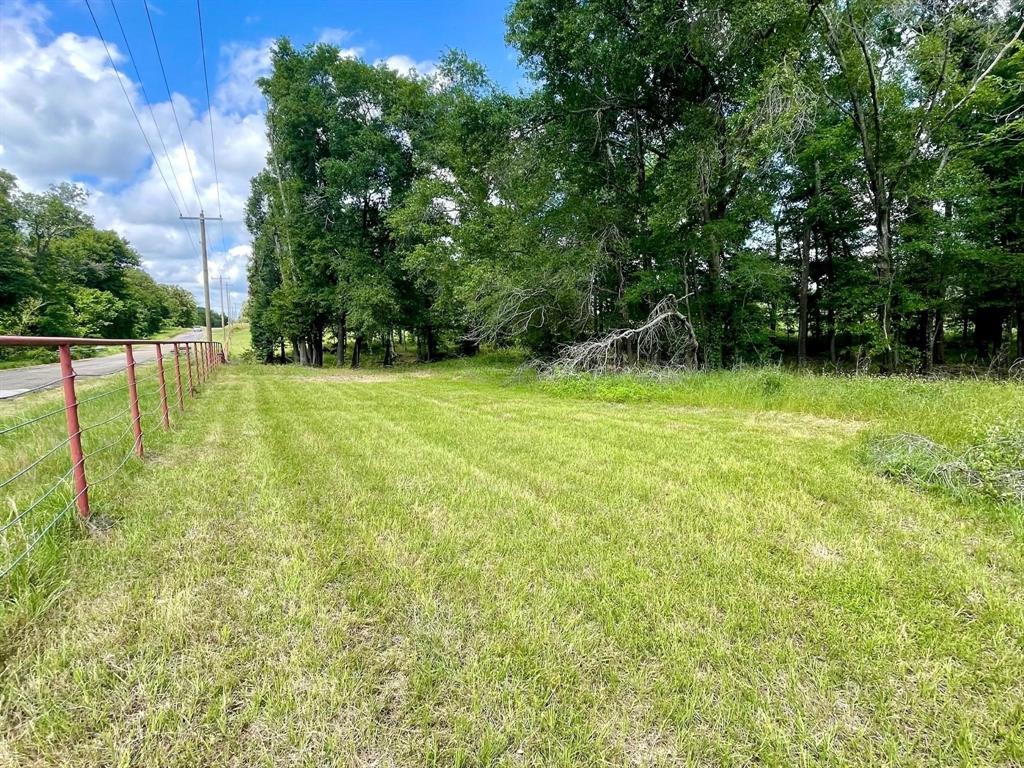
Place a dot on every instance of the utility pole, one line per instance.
(202, 219)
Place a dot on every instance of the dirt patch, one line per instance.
(820, 553)
(650, 750)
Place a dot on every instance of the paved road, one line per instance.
(14, 381)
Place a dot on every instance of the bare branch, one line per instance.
(666, 339)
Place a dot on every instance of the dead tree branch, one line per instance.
(666, 339)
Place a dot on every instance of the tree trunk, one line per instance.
(815, 241)
(773, 310)
(805, 266)
(884, 243)
(828, 295)
(940, 337)
(341, 333)
(318, 348)
(1020, 331)
(357, 347)
(431, 340)
(714, 347)
(927, 341)
(389, 350)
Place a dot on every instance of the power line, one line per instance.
(170, 98)
(209, 104)
(130, 105)
(138, 122)
(149, 104)
(209, 112)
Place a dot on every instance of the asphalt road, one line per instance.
(14, 381)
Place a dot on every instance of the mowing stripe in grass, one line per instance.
(441, 569)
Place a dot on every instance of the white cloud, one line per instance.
(241, 66)
(59, 84)
(333, 35)
(407, 66)
(63, 116)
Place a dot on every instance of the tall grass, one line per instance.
(38, 515)
(956, 412)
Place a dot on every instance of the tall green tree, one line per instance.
(819, 181)
(60, 276)
(902, 73)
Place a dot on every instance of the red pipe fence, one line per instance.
(208, 355)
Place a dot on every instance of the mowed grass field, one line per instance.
(453, 565)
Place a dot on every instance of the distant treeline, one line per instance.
(850, 174)
(60, 276)
(215, 317)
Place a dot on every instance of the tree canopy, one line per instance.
(829, 180)
(60, 276)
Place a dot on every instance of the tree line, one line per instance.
(60, 276)
(822, 181)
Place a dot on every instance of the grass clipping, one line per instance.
(994, 466)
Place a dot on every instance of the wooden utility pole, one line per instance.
(202, 219)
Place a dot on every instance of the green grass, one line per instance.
(453, 565)
(239, 340)
(955, 411)
(40, 493)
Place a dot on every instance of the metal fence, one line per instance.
(55, 477)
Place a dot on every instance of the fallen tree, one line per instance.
(665, 340)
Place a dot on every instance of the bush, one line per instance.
(37, 355)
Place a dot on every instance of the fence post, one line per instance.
(133, 399)
(177, 376)
(67, 373)
(163, 387)
(188, 362)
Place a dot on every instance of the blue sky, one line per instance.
(420, 29)
(64, 117)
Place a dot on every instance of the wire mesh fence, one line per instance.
(66, 438)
